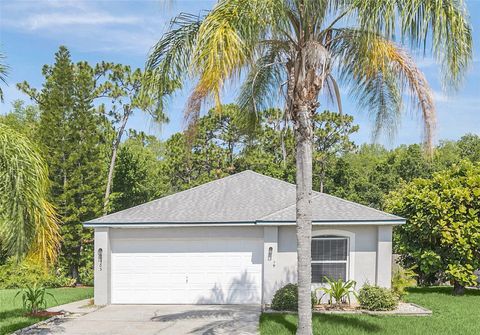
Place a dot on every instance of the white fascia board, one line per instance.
(166, 225)
(241, 224)
(335, 223)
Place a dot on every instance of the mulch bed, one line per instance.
(341, 307)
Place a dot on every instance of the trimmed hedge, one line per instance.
(374, 298)
(286, 298)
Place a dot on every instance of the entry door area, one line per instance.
(186, 271)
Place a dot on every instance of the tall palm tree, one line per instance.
(295, 51)
(28, 222)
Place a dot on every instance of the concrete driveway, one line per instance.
(159, 319)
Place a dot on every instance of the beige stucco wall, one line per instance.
(369, 250)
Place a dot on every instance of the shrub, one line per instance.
(338, 290)
(28, 274)
(403, 278)
(286, 298)
(376, 298)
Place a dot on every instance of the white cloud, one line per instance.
(42, 15)
(88, 26)
(54, 20)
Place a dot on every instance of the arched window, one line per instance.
(329, 258)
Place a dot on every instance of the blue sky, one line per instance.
(123, 31)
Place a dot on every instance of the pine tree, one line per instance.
(71, 134)
(86, 171)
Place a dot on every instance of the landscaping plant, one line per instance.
(403, 278)
(286, 298)
(34, 299)
(375, 298)
(338, 290)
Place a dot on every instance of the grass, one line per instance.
(451, 315)
(12, 316)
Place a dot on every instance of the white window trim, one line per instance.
(346, 261)
(337, 233)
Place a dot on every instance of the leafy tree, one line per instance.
(210, 152)
(331, 137)
(269, 149)
(293, 49)
(442, 233)
(469, 146)
(70, 133)
(137, 178)
(22, 118)
(28, 221)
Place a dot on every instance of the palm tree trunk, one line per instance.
(303, 136)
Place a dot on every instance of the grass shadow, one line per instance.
(352, 322)
(348, 322)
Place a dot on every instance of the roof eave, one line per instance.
(238, 223)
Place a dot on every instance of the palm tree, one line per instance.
(3, 74)
(295, 51)
(28, 222)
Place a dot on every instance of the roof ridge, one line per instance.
(170, 195)
(282, 209)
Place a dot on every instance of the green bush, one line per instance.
(286, 298)
(403, 278)
(376, 298)
(28, 274)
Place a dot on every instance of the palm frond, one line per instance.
(263, 85)
(28, 223)
(3, 74)
(169, 61)
(443, 22)
(378, 73)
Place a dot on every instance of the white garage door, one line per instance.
(203, 271)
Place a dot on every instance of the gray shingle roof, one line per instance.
(245, 197)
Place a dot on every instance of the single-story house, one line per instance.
(233, 241)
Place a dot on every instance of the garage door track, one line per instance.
(159, 319)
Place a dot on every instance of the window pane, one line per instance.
(329, 249)
(333, 271)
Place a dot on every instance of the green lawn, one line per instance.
(451, 315)
(11, 313)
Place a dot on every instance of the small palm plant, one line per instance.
(338, 290)
(34, 298)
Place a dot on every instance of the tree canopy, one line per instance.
(442, 234)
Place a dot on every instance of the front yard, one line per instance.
(451, 315)
(11, 313)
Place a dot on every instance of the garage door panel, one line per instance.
(186, 271)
